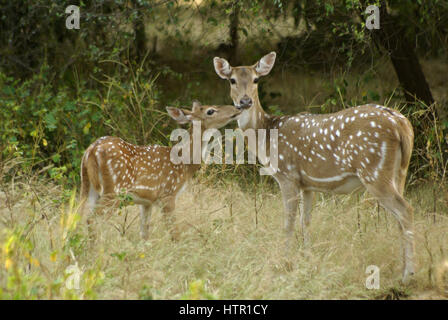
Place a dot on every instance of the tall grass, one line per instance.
(231, 246)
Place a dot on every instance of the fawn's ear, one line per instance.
(264, 66)
(222, 67)
(179, 115)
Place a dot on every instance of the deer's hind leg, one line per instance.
(392, 200)
(106, 203)
(89, 200)
(305, 215)
(401, 169)
(90, 188)
(90, 207)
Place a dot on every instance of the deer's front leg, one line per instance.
(145, 219)
(290, 194)
(169, 205)
(305, 215)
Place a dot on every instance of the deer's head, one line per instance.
(210, 116)
(244, 80)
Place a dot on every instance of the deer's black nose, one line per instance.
(245, 102)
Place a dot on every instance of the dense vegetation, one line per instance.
(62, 88)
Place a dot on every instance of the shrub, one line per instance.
(50, 127)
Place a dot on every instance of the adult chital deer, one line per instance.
(367, 146)
(111, 165)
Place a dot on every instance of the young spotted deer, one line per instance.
(111, 166)
(368, 146)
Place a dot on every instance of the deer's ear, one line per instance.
(264, 66)
(178, 114)
(222, 67)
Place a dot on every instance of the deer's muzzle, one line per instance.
(245, 103)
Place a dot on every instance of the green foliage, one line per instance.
(50, 127)
(430, 157)
(45, 127)
(35, 32)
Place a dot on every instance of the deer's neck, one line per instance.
(254, 118)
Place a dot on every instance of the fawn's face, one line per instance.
(244, 80)
(210, 116)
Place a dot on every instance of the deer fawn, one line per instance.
(111, 165)
(366, 146)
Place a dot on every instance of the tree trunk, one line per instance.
(140, 36)
(393, 38)
(233, 30)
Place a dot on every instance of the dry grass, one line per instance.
(222, 252)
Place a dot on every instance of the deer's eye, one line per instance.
(210, 112)
(256, 80)
(232, 81)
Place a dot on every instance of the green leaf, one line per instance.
(50, 121)
(56, 158)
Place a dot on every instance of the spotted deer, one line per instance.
(368, 146)
(111, 166)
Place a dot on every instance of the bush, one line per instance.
(50, 127)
